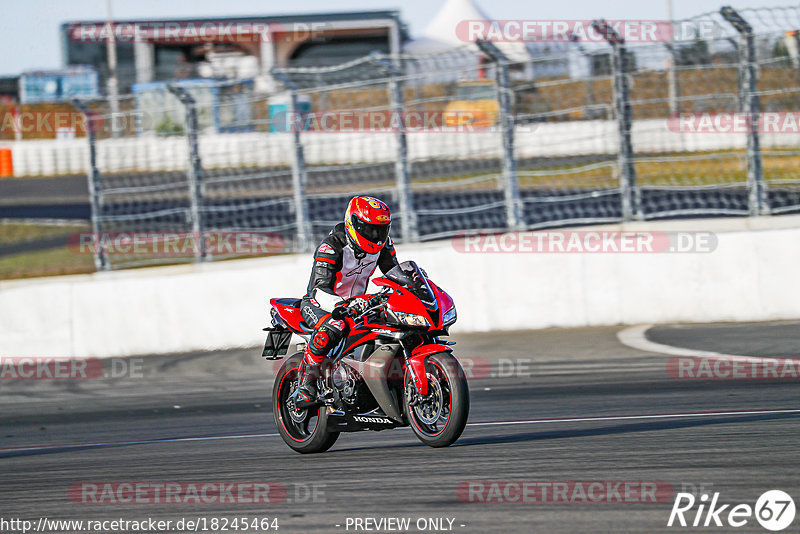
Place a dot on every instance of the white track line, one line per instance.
(628, 417)
(140, 442)
(635, 337)
(686, 415)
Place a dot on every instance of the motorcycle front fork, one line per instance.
(414, 396)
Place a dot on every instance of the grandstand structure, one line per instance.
(238, 47)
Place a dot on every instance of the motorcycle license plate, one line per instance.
(277, 344)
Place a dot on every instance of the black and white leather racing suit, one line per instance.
(340, 271)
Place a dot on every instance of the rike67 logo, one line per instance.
(774, 510)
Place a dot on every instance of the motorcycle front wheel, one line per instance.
(439, 418)
(305, 431)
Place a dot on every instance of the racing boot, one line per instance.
(306, 395)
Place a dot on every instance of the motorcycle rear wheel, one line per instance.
(295, 426)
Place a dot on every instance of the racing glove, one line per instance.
(358, 306)
(354, 308)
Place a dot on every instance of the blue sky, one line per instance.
(29, 37)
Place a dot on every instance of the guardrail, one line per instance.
(741, 269)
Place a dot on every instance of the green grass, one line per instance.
(697, 168)
(56, 261)
(14, 232)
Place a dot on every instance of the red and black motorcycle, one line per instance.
(392, 370)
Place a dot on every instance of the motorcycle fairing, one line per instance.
(289, 312)
(377, 365)
(403, 300)
(417, 362)
(364, 332)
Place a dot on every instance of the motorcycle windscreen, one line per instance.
(409, 275)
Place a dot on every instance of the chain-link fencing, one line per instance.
(480, 138)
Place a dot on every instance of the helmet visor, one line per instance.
(374, 233)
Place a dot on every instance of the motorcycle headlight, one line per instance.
(410, 319)
(449, 317)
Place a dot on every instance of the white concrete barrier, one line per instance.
(573, 138)
(750, 276)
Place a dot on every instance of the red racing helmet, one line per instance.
(366, 222)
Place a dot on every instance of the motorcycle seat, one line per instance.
(295, 303)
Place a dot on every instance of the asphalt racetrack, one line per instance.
(567, 406)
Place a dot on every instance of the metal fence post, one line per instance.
(408, 216)
(631, 195)
(195, 171)
(93, 179)
(514, 217)
(672, 78)
(672, 75)
(299, 176)
(751, 106)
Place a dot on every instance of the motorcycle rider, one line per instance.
(343, 264)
